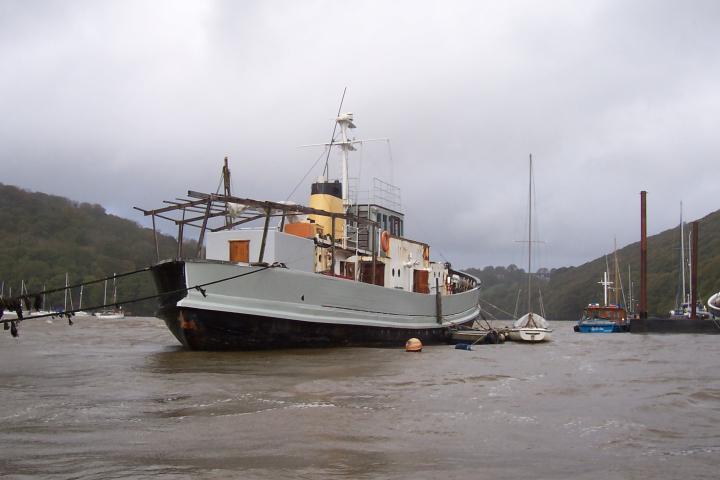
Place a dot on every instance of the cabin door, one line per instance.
(240, 251)
(366, 273)
(420, 281)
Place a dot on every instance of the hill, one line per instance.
(566, 291)
(44, 236)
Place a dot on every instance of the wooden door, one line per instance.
(240, 251)
(420, 281)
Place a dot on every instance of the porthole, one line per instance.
(393, 272)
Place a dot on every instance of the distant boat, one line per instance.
(110, 314)
(80, 312)
(605, 318)
(684, 310)
(531, 327)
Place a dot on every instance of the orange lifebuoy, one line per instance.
(385, 241)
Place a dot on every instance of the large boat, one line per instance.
(336, 272)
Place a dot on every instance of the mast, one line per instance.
(682, 255)
(226, 184)
(642, 310)
(105, 293)
(690, 292)
(81, 292)
(345, 121)
(631, 305)
(618, 283)
(66, 292)
(605, 283)
(530, 238)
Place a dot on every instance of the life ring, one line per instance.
(385, 241)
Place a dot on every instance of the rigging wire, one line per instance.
(497, 308)
(198, 287)
(306, 174)
(332, 137)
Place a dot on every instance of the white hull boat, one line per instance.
(110, 315)
(530, 328)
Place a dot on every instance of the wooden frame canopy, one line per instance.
(214, 205)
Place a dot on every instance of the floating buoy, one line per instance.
(413, 345)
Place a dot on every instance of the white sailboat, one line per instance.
(80, 312)
(111, 314)
(531, 327)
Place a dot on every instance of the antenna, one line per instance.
(332, 137)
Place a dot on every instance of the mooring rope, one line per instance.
(70, 313)
(497, 308)
(89, 282)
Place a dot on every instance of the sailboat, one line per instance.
(684, 306)
(531, 327)
(111, 314)
(80, 312)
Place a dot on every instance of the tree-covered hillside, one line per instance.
(44, 236)
(566, 291)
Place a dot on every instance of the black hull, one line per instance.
(199, 329)
(211, 330)
(668, 325)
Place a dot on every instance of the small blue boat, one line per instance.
(603, 319)
(606, 318)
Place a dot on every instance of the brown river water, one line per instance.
(122, 399)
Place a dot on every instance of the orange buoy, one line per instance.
(413, 345)
(385, 241)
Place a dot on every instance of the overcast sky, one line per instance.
(127, 103)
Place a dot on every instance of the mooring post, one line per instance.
(693, 270)
(204, 227)
(438, 301)
(643, 255)
(372, 249)
(157, 247)
(180, 239)
(265, 231)
(332, 241)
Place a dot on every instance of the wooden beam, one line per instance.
(264, 237)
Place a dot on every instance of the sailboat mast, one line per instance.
(618, 284)
(66, 292)
(530, 237)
